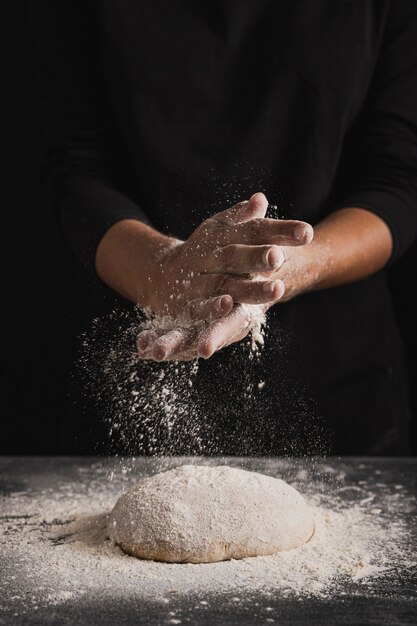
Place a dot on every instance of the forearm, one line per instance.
(126, 256)
(348, 245)
(164, 274)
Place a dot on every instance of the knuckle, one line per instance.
(203, 230)
(255, 226)
(193, 307)
(210, 222)
(237, 208)
(229, 256)
(220, 283)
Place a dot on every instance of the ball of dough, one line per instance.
(201, 514)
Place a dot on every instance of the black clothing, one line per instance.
(169, 111)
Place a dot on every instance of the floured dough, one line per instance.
(201, 514)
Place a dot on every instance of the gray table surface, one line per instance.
(394, 603)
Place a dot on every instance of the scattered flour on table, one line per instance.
(57, 545)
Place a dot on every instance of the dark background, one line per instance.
(49, 310)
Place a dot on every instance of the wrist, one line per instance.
(127, 259)
(348, 245)
(160, 285)
(302, 270)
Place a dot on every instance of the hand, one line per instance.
(180, 339)
(199, 280)
(220, 256)
(349, 244)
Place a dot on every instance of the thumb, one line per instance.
(250, 209)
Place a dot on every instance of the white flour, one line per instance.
(149, 408)
(57, 547)
(169, 395)
(255, 313)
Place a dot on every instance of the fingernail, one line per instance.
(159, 353)
(225, 303)
(204, 351)
(299, 232)
(303, 232)
(281, 287)
(309, 234)
(142, 343)
(273, 258)
(269, 287)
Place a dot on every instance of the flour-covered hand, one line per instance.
(206, 286)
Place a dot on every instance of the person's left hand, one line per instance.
(189, 339)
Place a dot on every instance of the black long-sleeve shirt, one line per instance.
(169, 111)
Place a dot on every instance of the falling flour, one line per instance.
(149, 407)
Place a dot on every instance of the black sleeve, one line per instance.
(383, 161)
(85, 165)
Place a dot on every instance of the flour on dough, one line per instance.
(201, 514)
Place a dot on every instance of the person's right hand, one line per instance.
(210, 277)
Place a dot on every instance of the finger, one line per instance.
(249, 291)
(244, 290)
(190, 355)
(268, 231)
(244, 259)
(231, 328)
(210, 309)
(174, 342)
(178, 350)
(181, 340)
(145, 341)
(255, 207)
